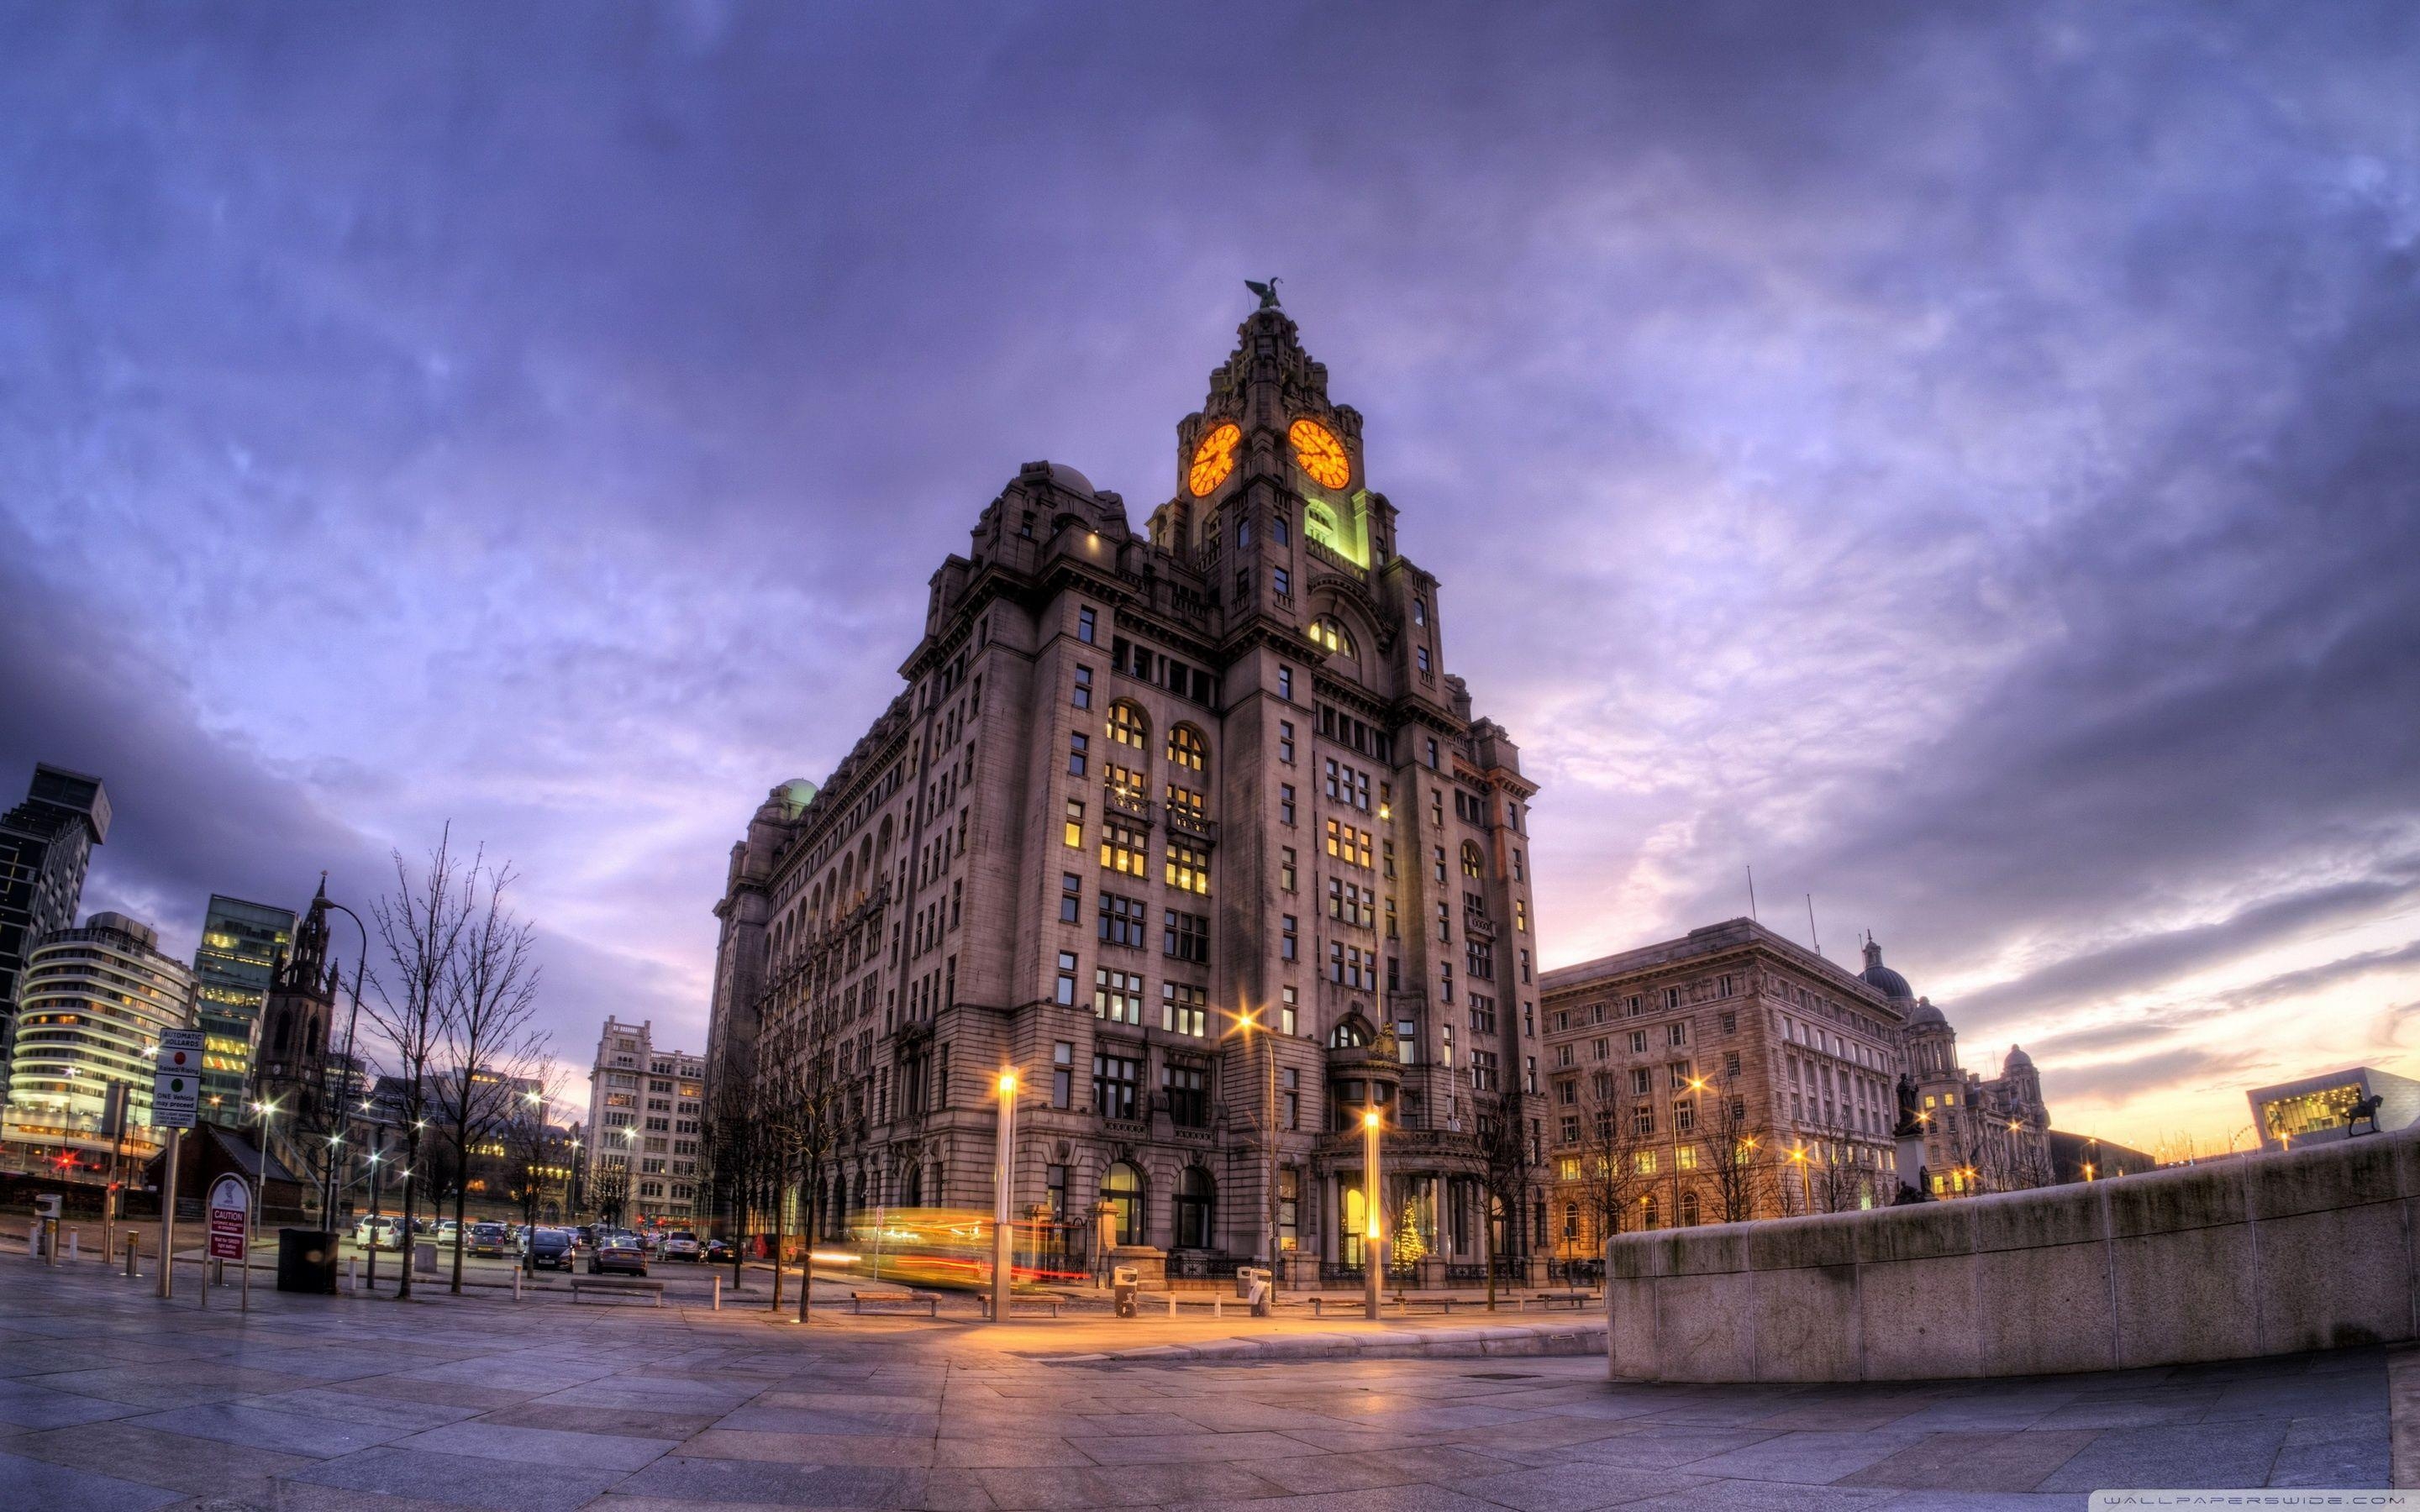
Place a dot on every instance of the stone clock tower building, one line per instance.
(1193, 829)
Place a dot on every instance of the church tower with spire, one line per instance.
(1192, 828)
(292, 1061)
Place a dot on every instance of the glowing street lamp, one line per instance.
(1805, 1183)
(1372, 1244)
(1003, 1181)
(1247, 1024)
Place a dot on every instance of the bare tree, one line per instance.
(1613, 1137)
(490, 1046)
(608, 1190)
(802, 1115)
(1730, 1161)
(532, 1147)
(1508, 1173)
(730, 1149)
(420, 928)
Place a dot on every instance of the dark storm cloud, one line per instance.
(1960, 460)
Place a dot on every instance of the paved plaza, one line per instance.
(110, 1398)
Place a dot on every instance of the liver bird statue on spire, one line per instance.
(1269, 291)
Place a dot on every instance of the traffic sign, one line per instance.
(177, 1080)
(230, 1217)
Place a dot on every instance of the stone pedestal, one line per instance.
(1428, 1272)
(1536, 1274)
(1298, 1271)
(1150, 1264)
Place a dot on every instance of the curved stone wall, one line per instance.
(2265, 1255)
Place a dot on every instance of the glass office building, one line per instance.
(91, 1006)
(240, 945)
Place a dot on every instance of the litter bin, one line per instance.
(1124, 1283)
(306, 1260)
(1253, 1286)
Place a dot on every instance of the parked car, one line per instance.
(681, 1245)
(488, 1239)
(448, 1233)
(620, 1255)
(379, 1233)
(717, 1251)
(550, 1249)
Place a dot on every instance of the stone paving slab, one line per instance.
(110, 1398)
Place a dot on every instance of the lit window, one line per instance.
(1326, 632)
(1128, 725)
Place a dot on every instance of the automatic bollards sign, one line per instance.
(177, 1080)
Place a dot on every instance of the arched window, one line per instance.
(1689, 1218)
(1186, 747)
(1571, 1220)
(1348, 1033)
(1122, 1189)
(1473, 864)
(1647, 1212)
(1326, 632)
(1319, 523)
(1197, 1200)
(1129, 725)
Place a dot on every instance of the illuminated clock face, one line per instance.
(1212, 459)
(1321, 453)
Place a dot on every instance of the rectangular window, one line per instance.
(1287, 1005)
(1677, 1033)
(1075, 824)
(1071, 898)
(1283, 582)
(1189, 867)
(1067, 978)
(1638, 1042)
(1113, 1085)
(1185, 936)
(1287, 947)
(1286, 683)
(1124, 920)
(1087, 626)
(1117, 996)
(1286, 869)
(1078, 757)
(1642, 1081)
(1083, 696)
(1424, 657)
(1483, 1071)
(1184, 1008)
(1124, 848)
(1352, 966)
(1285, 741)
(1062, 1074)
(1189, 1095)
(1285, 803)
(1348, 844)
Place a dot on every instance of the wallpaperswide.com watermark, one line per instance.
(2280, 1496)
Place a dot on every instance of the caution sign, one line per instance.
(177, 1080)
(230, 1217)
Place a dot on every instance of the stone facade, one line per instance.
(1735, 1042)
(644, 1119)
(1190, 826)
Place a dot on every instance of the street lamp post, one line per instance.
(1373, 1260)
(352, 1022)
(1247, 1024)
(1003, 1196)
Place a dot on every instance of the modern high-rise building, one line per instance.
(45, 846)
(93, 1003)
(1190, 826)
(643, 1135)
(241, 943)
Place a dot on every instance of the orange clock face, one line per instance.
(1212, 459)
(1321, 453)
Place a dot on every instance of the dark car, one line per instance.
(619, 1255)
(550, 1249)
(717, 1251)
(586, 1233)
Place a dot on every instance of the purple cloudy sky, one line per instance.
(1964, 460)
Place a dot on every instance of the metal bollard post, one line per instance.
(129, 1254)
(717, 1292)
(517, 1283)
(75, 1246)
(353, 1275)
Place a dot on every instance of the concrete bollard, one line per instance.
(75, 1244)
(34, 1239)
(717, 1292)
(353, 1275)
(1172, 1305)
(131, 1243)
(517, 1283)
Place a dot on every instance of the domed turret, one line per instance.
(1883, 978)
(2017, 1060)
(1925, 1016)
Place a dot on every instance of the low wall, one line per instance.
(2263, 1255)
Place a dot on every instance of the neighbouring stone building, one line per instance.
(641, 1149)
(1191, 826)
(1734, 1073)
